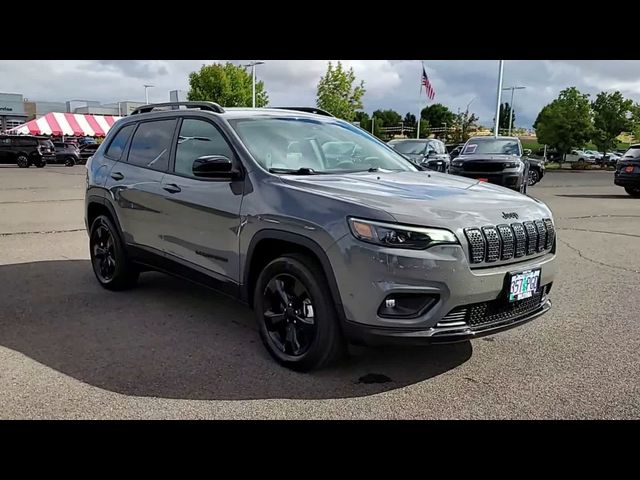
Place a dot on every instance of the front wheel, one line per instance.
(111, 264)
(633, 191)
(534, 177)
(69, 162)
(296, 315)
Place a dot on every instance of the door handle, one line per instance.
(117, 176)
(172, 188)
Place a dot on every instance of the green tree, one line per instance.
(409, 120)
(505, 112)
(390, 118)
(612, 115)
(464, 124)
(635, 122)
(566, 122)
(437, 115)
(362, 118)
(229, 85)
(336, 92)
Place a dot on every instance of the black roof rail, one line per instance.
(211, 106)
(315, 110)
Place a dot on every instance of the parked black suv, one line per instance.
(67, 153)
(26, 150)
(498, 160)
(86, 151)
(628, 171)
(429, 153)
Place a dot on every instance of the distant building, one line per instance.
(12, 111)
(36, 110)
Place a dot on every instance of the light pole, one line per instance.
(511, 104)
(253, 75)
(499, 97)
(146, 92)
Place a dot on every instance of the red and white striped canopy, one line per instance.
(55, 123)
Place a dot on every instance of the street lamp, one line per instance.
(253, 74)
(146, 92)
(511, 104)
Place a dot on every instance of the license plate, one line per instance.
(524, 284)
(629, 169)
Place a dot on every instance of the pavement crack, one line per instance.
(597, 262)
(599, 231)
(9, 234)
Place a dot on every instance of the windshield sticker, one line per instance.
(471, 148)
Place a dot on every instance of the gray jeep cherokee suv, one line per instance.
(325, 246)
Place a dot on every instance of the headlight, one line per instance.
(399, 236)
(457, 163)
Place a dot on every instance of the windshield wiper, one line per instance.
(294, 171)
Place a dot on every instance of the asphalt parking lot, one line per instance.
(168, 349)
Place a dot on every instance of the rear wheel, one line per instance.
(111, 264)
(22, 161)
(633, 191)
(296, 315)
(534, 177)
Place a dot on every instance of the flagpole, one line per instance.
(420, 103)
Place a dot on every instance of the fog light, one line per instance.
(406, 305)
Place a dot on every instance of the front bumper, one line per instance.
(366, 275)
(511, 180)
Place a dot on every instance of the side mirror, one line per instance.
(527, 151)
(213, 166)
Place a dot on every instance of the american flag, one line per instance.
(427, 85)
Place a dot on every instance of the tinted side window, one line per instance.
(25, 142)
(151, 144)
(197, 139)
(119, 141)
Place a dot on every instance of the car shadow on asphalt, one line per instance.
(596, 196)
(169, 338)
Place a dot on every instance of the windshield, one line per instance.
(633, 152)
(283, 144)
(410, 147)
(492, 146)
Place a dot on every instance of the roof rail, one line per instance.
(315, 110)
(211, 106)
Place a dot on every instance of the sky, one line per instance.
(393, 84)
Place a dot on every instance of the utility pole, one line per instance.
(511, 104)
(253, 75)
(499, 98)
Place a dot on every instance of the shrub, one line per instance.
(579, 166)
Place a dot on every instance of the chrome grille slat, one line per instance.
(493, 244)
(504, 242)
(542, 235)
(506, 235)
(532, 237)
(520, 239)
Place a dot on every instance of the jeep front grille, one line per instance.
(503, 242)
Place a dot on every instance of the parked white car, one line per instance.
(596, 155)
(579, 156)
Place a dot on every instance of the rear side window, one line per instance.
(198, 138)
(119, 142)
(25, 142)
(151, 144)
(633, 152)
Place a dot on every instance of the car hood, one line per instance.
(426, 198)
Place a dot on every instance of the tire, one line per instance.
(69, 162)
(41, 164)
(534, 177)
(321, 342)
(111, 264)
(633, 191)
(22, 161)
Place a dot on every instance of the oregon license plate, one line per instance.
(524, 284)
